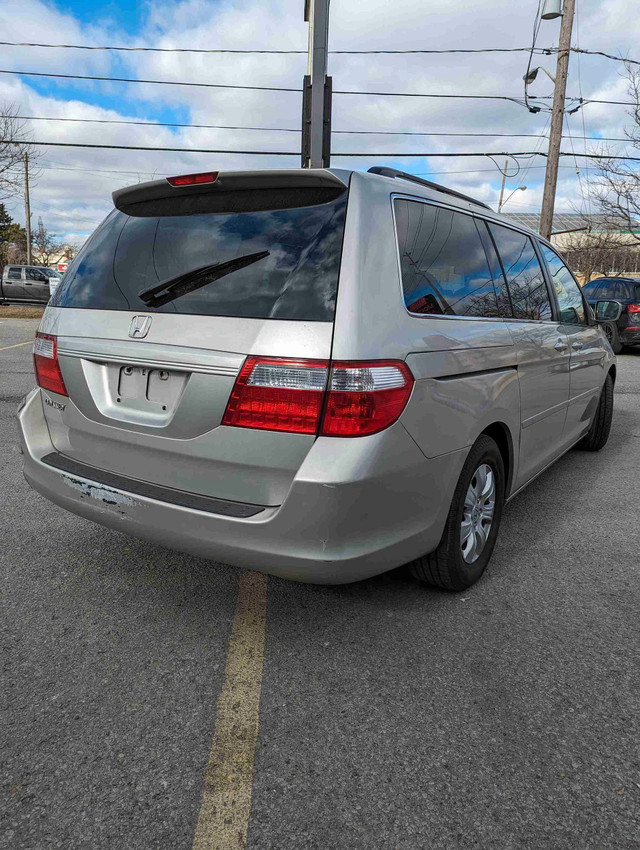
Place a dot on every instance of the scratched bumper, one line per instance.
(388, 508)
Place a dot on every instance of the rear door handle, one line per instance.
(560, 346)
(576, 346)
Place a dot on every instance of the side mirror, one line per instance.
(608, 311)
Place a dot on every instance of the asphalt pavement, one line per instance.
(391, 717)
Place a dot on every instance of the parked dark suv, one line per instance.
(626, 290)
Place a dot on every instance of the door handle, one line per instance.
(560, 346)
(576, 346)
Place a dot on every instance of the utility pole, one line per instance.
(557, 119)
(27, 207)
(504, 180)
(316, 98)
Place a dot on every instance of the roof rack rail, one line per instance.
(393, 172)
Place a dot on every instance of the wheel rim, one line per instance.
(477, 515)
(608, 332)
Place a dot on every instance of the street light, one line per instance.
(533, 73)
(517, 189)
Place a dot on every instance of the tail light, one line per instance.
(365, 397)
(46, 365)
(341, 399)
(278, 394)
(633, 311)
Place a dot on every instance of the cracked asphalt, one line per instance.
(391, 717)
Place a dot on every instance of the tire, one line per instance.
(613, 336)
(598, 434)
(447, 568)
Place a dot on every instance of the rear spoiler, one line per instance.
(232, 192)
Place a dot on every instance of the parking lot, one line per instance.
(391, 717)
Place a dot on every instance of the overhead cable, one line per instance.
(297, 130)
(297, 153)
(516, 100)
(213, 50)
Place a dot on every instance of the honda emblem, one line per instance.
(139, 326)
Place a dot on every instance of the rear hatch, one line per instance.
(149, 354)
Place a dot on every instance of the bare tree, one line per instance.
(616, 186)
(14, 144)
(602, 252)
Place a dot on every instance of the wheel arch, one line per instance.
(501, 434)
(613, 372)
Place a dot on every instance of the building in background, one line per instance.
(594, 246)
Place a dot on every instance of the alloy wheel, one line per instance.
(477, 515)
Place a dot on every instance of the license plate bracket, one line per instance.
(161, 387)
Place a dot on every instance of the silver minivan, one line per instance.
(320, 374)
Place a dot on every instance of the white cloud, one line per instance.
(72, 200)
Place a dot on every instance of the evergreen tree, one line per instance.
(13, 240)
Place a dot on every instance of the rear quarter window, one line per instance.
(443, 262)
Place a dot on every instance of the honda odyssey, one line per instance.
(319, 374)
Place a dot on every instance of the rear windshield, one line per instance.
(298, 280)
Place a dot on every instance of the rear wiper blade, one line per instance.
(174, 287)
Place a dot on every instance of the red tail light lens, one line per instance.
(365, 397)
(47, 368)
(278, 394)
(194, 179)
(633, 308)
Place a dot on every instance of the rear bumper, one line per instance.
(356, 508)
(630, 336)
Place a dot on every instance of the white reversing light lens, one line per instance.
(288, 377)
(366, 379)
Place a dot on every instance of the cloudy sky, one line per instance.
(73, 188)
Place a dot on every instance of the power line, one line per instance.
(261, 88)
(536, 28)
(601, 53)
(383, 154)
(114, 171)
(163, 124)
(540, 50)
(516, 100)
(275, 52)
(481, 170)
(152, 82)
(297, 130)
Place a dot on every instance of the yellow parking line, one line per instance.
(223, 819)
(17, 345)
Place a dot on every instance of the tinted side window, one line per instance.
(568, 292)
(525, 279)
(505, 310)
(601, 290)
(589, 289)
(14, 274)
(443, 263)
